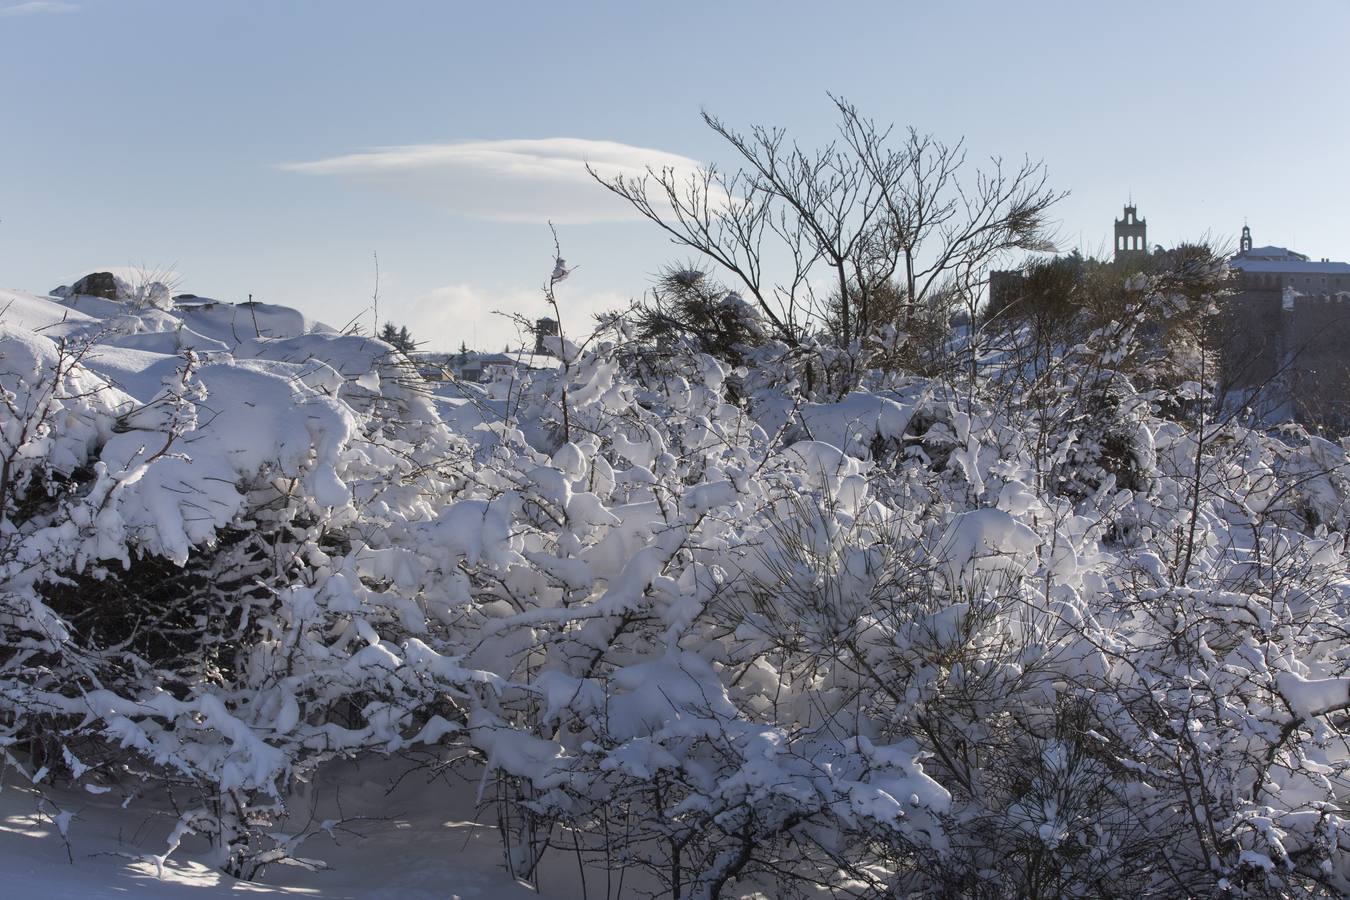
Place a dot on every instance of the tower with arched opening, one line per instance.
(1131, 235)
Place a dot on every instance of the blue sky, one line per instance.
(242, 143)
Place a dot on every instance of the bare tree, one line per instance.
(863, 210)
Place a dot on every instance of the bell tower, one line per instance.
(1245, 243)
(1131, 235)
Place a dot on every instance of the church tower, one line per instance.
(1246, 243)
(1131, 235)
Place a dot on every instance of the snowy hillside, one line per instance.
(271, 609)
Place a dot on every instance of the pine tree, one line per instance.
(399, 337)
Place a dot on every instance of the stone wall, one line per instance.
(1289, 353)
(1317, 341)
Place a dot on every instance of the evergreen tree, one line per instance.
(398, 336)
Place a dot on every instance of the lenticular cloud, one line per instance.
(534, 180)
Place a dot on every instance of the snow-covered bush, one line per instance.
(189, 594)
(716, 625)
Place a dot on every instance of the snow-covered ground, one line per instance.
(425, 844)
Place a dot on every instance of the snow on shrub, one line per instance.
(732, 627)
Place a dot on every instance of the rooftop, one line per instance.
(1284, 260)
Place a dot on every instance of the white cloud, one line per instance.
(443, 318)
(37, 7)
(535, 180)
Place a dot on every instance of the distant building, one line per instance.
(1286, 334)
(480, 367)
(434, 371)
(1131, 246)
(1005, 288)
(1131, 236)
(475, 367)
(543, 329)
(1280, 267)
